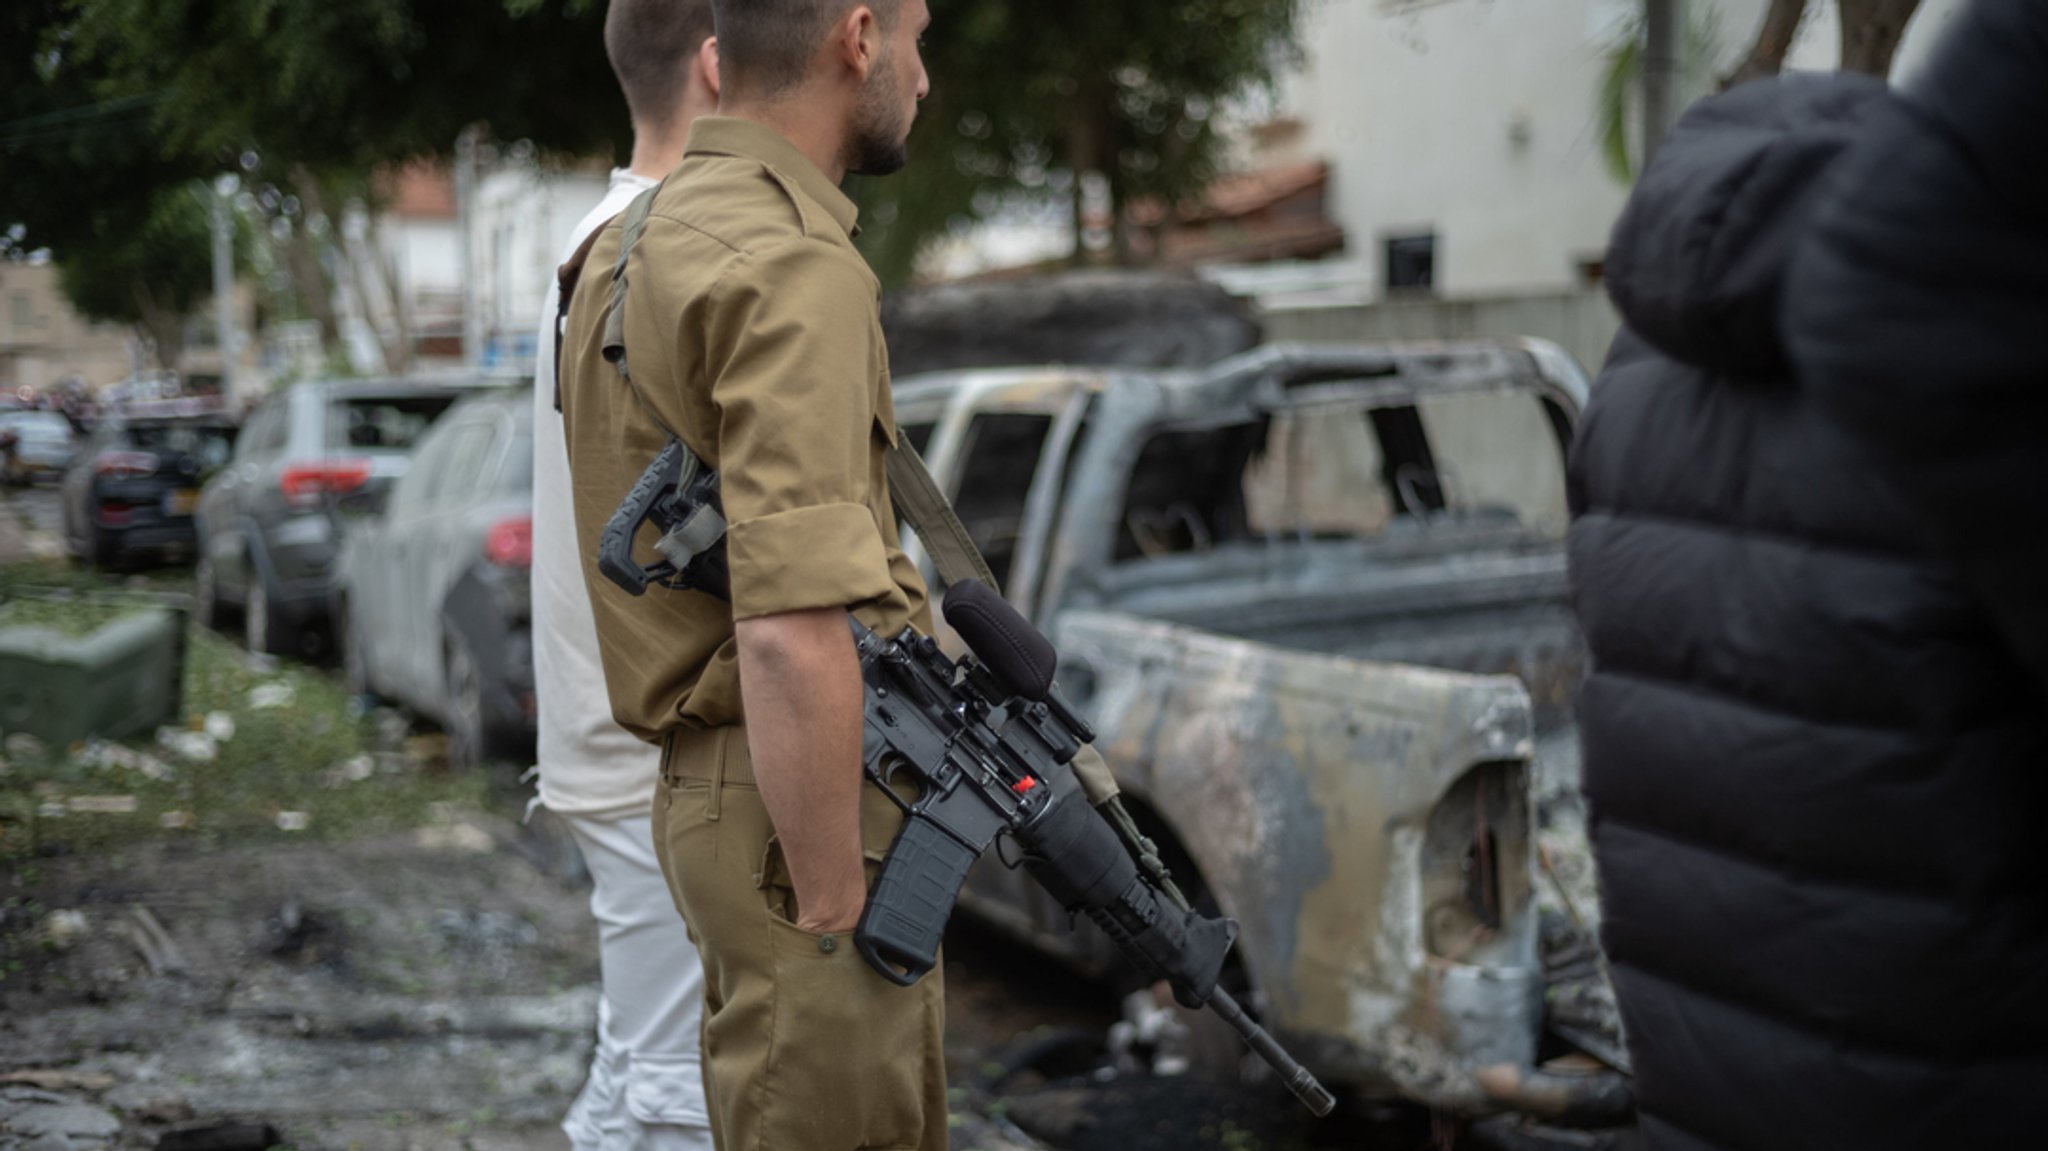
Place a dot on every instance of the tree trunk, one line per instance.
(394, 292)
(1119, 227)
(1773, 40)
(1664, 21)
(1087, 135)
(166, 330)
(1871, 31)
(308, 276)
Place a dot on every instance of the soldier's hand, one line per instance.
(837, 912)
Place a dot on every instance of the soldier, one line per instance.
(646, 1086)
(751, 330)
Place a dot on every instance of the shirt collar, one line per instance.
(730, 136)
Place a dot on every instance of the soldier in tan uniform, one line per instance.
(753, 334)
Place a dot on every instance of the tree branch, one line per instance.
(1773, 41)
(1871, 31)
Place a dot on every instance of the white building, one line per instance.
(523, 217)
(420, 233)
(1464, 135)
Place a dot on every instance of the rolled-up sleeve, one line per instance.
(791, 352)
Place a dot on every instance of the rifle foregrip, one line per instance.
(906, 915)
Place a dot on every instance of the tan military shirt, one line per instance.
(753, 331)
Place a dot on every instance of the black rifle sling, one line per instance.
(566, 278)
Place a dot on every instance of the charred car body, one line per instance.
(1313, 600)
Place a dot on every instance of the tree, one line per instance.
(1773, 42)
(353, 86)
(150, 271)
(108, 106)
(1028, 102)
(1871, 32)
(1620, 102)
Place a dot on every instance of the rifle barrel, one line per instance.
(1318, 1099)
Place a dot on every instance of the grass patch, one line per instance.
(291, 757)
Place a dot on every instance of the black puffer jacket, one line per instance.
(1817, 776)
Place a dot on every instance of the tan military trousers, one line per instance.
(806, 1048)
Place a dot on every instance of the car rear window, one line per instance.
(382, 423)
(211, 443)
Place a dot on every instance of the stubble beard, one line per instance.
(881, 138)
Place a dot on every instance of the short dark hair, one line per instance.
(652, 45)
(765, 46)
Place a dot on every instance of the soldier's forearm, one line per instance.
(800, 681)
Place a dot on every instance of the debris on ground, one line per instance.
(266, 696)
(229, 1136)
(102, 804)
(102, 753)
(33, 1119)
(1150, 1037)
(189, 745)
(63, 929)
(59, 1080)
(158, 949)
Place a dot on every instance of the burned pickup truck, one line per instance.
(1313, 598)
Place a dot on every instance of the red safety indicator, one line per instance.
(1024, 785)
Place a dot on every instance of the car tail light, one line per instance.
(305, 484)
(509, 543)
(125, 465)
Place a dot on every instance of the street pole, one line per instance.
(223, 223)
(465, 216)
(1664, 20)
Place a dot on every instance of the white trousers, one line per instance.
(646, 1085)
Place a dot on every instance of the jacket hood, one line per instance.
(1700, 255)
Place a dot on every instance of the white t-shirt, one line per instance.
(589, 765)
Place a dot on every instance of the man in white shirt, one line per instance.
(646, 1087)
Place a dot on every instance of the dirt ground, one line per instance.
(436, 989)
(284, 922)
(408, 968)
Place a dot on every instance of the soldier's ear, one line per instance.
(858, 41)
(707, 64)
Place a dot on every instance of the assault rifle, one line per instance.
(986, 744)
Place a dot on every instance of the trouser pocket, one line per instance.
(853, 1061)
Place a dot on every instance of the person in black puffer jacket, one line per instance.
(1919, 309)
(1815, 771)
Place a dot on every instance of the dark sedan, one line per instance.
(136, 484)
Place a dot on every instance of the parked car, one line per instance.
(270, 524)
(432, 606)
(42, 445)
(135, 487)
(1313, 600)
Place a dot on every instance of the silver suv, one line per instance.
(270, 524)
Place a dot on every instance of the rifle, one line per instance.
(988, 743)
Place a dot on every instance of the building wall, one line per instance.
(43, 341)
(1477, 120)
(524, 217)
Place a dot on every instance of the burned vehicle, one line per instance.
(1314, 600)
